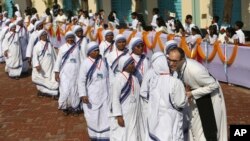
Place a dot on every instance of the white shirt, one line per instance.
(212, 39)
(188, 27)
(134, 24)
(241, 36)
(61, 18)
(170, 26)
(153, 23)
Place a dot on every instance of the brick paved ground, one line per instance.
(26, 117)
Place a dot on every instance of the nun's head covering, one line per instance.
(92, 46)
(37, 24)
(133, 43)
(124, 61)
(19, 20)
(119, 37)
(170, 44)
(77, 28)
(42, 32)
(12, 25)
(159, 63)
(69, 34)
(8, 21)
(108, 32)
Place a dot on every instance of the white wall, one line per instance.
(186, 9)
(206, 8)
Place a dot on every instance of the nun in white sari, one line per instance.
(66, 70)
(166, 101)
(23, 38)
(125, 103)
(12, 53)
(81, 41)
(106, 46)
(136, 46)
(113, 57)
(3, 32)
(43, 61)
(93, 90)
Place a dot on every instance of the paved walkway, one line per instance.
(26, 117)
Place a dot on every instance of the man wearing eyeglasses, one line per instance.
(204, 93)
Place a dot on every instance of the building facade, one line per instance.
(202, 11)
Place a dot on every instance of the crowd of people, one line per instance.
(125, 94)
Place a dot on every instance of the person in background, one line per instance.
(155, 16)
(125, 105)
(61, 18)
(93, 88)
(188, 24)
(33, 39)
(56, 8)
(136, 47)
(43, 61)
(161, 25)
(102, 17)
(3, 32)
(81, 41)
(238, 29)
(84, 19)
(171, 23)
(23, 39)
(31, 25)
(113, 20)
(135, 22)
(213, 34)
(106, 46)
(215, 22)
(66, 73)
(222, 34)
(231, 36)
(12, 53)
(196, 33)
(179, 29)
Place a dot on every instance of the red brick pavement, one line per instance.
(26, 117)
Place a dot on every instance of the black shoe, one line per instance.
(17, 78)
(66, 112)
(55, 97)
(40, 94)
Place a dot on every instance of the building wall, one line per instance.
(22, 5)
(205, 9)
(107, 6)
(150, 5)
(93, 5)
(186, 9)
(206, 13)
(245, 13)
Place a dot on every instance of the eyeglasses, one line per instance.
(174, 61)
